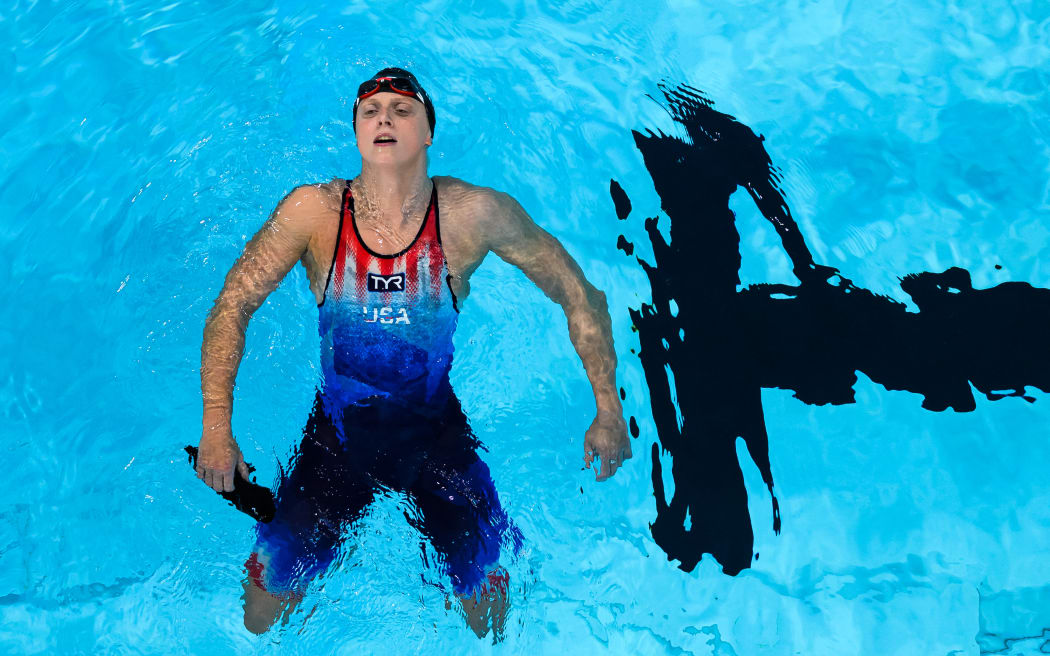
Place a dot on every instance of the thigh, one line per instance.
(459, 509)
(316, 499)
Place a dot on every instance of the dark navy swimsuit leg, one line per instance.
(317, 499)
(459, 510)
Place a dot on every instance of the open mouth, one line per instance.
(384, 140)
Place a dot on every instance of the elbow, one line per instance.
(220, 308)
(227, 309)
(597, 299)
(592, 309)
(584, 297)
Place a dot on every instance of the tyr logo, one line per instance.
(391, 283)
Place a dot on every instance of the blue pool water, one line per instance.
(141, 144)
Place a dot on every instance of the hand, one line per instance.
(217, 456)
(607, 440)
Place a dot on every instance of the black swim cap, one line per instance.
(399, 81)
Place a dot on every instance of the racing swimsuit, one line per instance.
(386, 418)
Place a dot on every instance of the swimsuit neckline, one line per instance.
(419, 233)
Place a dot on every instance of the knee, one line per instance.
(485, 607)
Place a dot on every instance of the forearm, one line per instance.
(771, 203)
(590, 329)
(221, 352)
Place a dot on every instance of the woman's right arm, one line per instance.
(267, 258)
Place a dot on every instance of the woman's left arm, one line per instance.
(516, 238)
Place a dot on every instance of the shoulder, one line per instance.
(495, 217)
(307, 205)
(483, 204)
(316, 197)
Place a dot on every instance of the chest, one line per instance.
(459, 244)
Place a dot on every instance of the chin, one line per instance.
(395, 159)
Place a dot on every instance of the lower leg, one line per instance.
(262, 609)
(487, 606)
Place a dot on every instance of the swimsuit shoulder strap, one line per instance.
(338, 253)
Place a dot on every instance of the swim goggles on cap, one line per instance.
(401, 85)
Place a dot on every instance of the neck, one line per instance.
(388, 193)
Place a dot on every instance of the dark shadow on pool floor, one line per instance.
(718, 346)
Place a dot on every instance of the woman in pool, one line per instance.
(390, 274)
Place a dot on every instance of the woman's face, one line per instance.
(391, 128)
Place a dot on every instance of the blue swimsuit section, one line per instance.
(385, 419)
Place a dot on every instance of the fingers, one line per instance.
(609, 465)
(227, 481)
(218, 479)
(216, 465)
(607, 470)
(611, 458)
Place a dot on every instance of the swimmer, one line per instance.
(389, 254)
